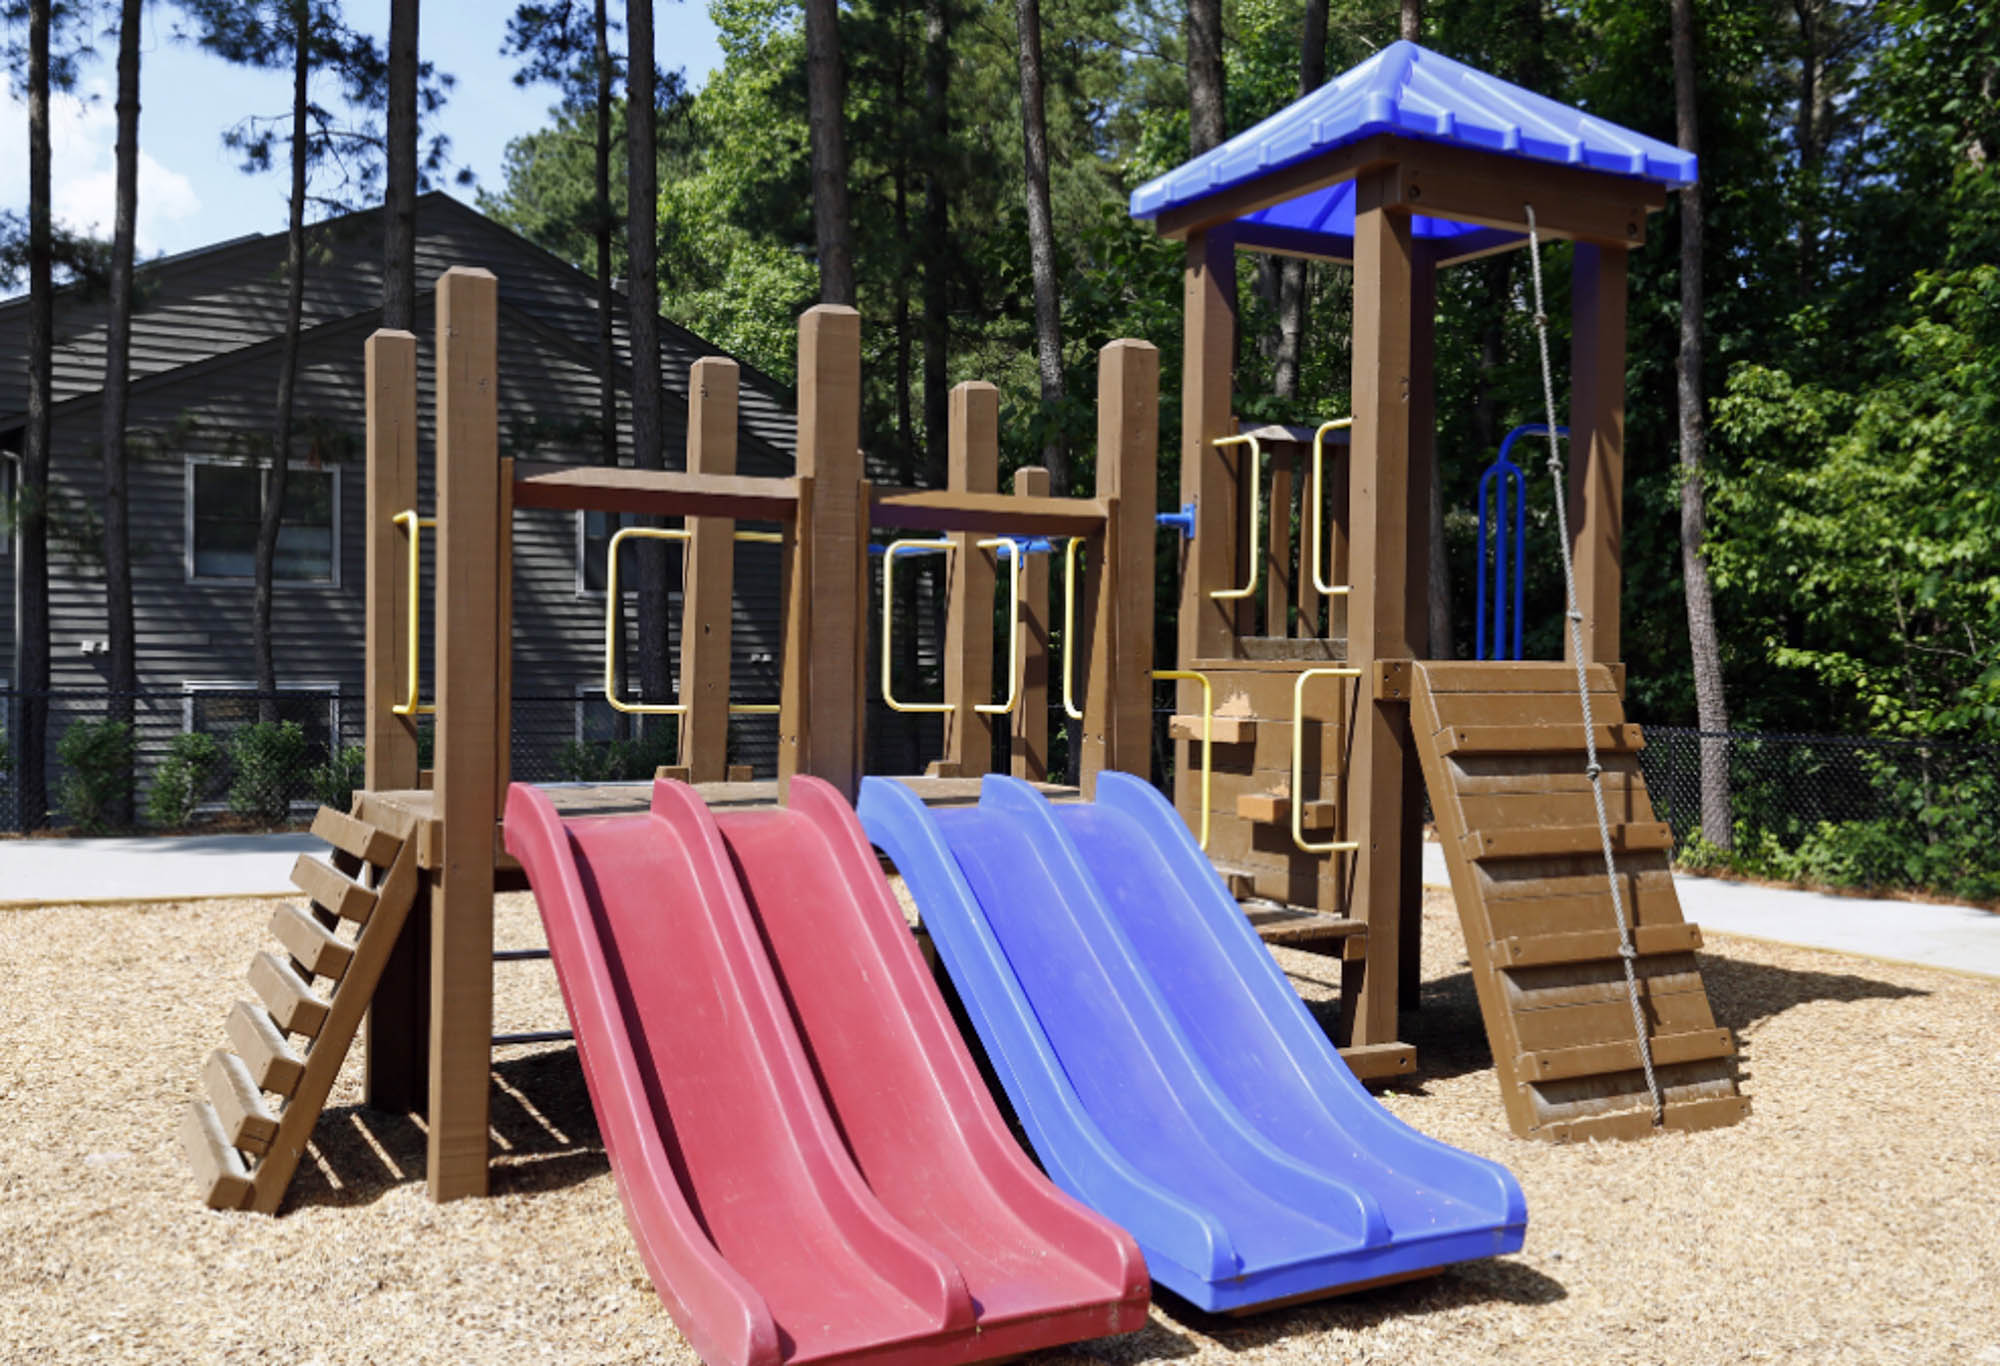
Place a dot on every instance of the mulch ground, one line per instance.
(1851, 1218)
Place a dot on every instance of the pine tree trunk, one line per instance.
(642, 216)
(1291, 272)
(273, 505)
(399, 201)
(825, 96)
(1410, 21)
(32, 648)
(937, 240)
(1711, 706)
(1204, 75)
(123, 673)
(1042, 242)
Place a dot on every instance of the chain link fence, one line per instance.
(1848, 812)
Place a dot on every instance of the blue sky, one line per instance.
(190, 190)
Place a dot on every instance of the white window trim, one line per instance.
(187, 523)
(10, 480)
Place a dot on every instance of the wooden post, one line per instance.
(466, 781)
(1417, 601)
(1378, 606)
(1207, 627)
(709, 591)
(1596, 450)
(1118, 705)
(1028, 752)
(1306, 591)
(503, 658)
(974, 456)
(820, 730)
(1277, 572)
(396, 1041)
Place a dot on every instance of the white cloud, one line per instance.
(83, 139)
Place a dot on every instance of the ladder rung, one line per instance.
(534, 1036)
(518, 955)
(1544, 841)
(312, 943)
(1223, 730)
(272, 1062)
(286, 995)
(1622, 1055)
(333, 889)
(1617, 737)
(239, 1105)
(218, 1167)
(1275, 808)
(1584, 946)
(356, 837)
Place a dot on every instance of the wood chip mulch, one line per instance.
(1852, 1218)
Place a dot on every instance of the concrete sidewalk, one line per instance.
(39, 872)
(1960, 937)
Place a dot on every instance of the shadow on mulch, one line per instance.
(545, 1137)
(1493, 1281)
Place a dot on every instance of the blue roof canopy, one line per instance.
(1412, 92)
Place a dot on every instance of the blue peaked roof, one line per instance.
(1413, 92)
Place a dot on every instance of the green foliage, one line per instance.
(6, 754)
(184, 779)
(334, 782)
(97, 772)
(619, 761)
(265, 758)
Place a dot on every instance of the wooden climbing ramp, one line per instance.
(245, 1137)
(1502, 748)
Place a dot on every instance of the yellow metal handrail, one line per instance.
(1070, 709)
(414, 526)
(1256, 514)
(942, 546)
(1207, 737)
(1326, 589)
(619, 537)
(1299, 764)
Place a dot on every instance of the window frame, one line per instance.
(191, 575)
(191, 687)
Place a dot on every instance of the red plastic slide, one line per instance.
(809, 1161)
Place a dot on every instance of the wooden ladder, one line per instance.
(264, 1094)
(1502, 749)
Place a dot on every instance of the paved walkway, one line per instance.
(39, 872)
(1960, 937)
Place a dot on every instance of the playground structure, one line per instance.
(1307, 718)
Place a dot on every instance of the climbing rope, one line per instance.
(1627, 951)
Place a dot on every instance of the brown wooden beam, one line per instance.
(973, 467)
(1378, 608)
(709, 591)
(1596, 448)
(466, 781)
(989, 514)
(1424, 472)
(1118, 703)
(656, 493)
(1207, 627)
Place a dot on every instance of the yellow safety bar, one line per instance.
(939, 547)
(1319, 501)
(1207, 737)
(1299, 764)
(414, 526)
(618, 538)
(1256, 514)
(1070, 708)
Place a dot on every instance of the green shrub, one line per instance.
(97, 773)
(6, 754)
(184, 779)
(266, 757)
(619, 761)
(334, 781)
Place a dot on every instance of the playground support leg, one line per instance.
(1378, 616)
(1417, 604)
(820, 730)
(708, 597)
(1207, 480)
(466, 797)
(973, 455)
(1597, 443)
(1121, 653)
(395, 1039)
(1029, 751)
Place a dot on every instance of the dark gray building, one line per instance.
(206, 334)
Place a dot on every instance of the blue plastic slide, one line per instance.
(1164, 1069)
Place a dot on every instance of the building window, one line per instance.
(593, 543)
(223, 503)
(222, 708)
